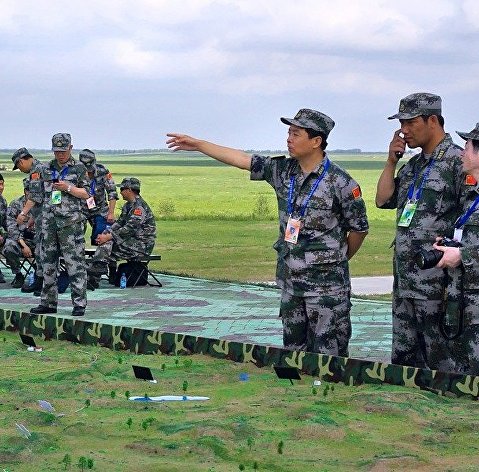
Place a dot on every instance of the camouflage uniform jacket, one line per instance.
(69, 211)
(436, 213)
(35, 173)
(3, 216)
(15, 231)
(469, 257)
(135, 227)
(318, 261)
(104, 190)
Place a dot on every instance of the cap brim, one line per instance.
(403, 116)
(59, 149)
(465, 135)
(15, 167)
(292, 121)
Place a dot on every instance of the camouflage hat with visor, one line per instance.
(61, 142)
(474, 134)
(21, 153)
(130, 182)
(88, 158)
(418, 104)
(312, 119)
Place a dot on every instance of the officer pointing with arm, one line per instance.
(322, 223)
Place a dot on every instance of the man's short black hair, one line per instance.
(312, 133)
(475, 145)
(1, 177)
(440, 119)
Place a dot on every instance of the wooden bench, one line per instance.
(89, 252)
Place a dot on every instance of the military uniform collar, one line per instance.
(317, 170)
(55, 164)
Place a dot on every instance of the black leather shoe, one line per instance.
(78, 311)
(42, 309)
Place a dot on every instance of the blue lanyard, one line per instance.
(292, 181)
(62, 175)
(462, 220)
(410, 193)
(92, 187)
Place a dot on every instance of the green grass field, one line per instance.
(262, 420)
(213, 222)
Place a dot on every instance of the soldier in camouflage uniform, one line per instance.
(322, 223)
(131, 237)
(60, 189)
(426, 192)
(20, 239)
(28, 164)
(463, 263)
(3, 221)
(100, 210)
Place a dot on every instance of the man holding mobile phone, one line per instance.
(425, 192)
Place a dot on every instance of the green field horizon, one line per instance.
(214, 223)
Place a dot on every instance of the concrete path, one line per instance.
(372, 285)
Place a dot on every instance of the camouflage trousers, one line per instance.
(68, 242)
(417, 340)
(38, 250)
(465, 348)
(111, 251)
(13, 254)
(316, 323)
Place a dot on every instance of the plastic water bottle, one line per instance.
(123, 280)
(31, 278)
(107, 229)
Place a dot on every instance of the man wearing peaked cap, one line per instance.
(132, 237)
(99, 208)
(323, 223)
(463, 263)
(26, 163)
(424, 192)
(59, 189)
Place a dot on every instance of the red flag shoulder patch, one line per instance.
(138, 211)
(356, 192)
(35, 176)
(470, 180)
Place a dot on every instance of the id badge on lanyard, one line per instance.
(407, 214)
(292, 230)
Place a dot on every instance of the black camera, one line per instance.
(428, 259)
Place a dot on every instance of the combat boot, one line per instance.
(35, 286)
(17, 282)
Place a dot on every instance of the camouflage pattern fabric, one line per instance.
(3, 215)
(62, 231)
(317, 264)
(134, 234)
(311, 119)
(319, 324)
(436, 212)
(330, 368)
(418, 104)
(465, 349)
(12, 250)
(36, 212)
(104, 191)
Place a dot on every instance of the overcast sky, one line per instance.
(120, 74)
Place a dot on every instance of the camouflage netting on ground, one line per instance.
(144, 341)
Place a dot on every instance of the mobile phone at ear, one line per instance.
(400, 154)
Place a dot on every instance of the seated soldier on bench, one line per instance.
(20, 238)
(131, 237)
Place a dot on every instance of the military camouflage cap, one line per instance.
(61, 142)
(21, 153)
(474, 134)
(418, 104)
(87, 157)
(312, 119)
(130, 182)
